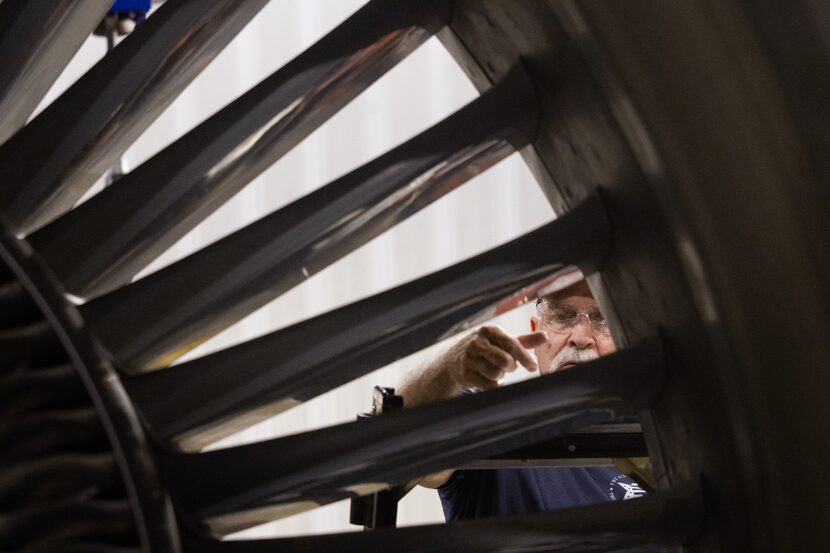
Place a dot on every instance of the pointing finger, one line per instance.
(509, 344)
(533, 340)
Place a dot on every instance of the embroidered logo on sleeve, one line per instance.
(632, 490)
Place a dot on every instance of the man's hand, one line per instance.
(479, 360)
(482, 358)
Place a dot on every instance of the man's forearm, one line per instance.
(478, 360)
(430, 383)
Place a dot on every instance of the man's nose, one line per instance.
(582, 335)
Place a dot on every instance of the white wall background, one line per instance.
(497, 206)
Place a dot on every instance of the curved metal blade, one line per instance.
(203, 400)
(103, 243)
(44, 172)
(153, 321)
(319, 467)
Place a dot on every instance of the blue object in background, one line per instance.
(122, 6)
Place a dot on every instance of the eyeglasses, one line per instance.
(562, 317)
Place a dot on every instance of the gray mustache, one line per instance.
(570, 354)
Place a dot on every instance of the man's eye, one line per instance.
(596, 317)
(563, 314)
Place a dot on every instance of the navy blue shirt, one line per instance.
(470, 494)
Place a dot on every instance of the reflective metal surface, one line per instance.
(143, 214)
(596, 446)
(37, 40)
(16, 306)
(44, 172)
(703, 126)
(74, 475)
(668, 517)
(87, 523)
(34, 435)
(197, 402)
(58, 388)
(318, 467)
(153, 321)
(53, 372)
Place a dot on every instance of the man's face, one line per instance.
(574, 326)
